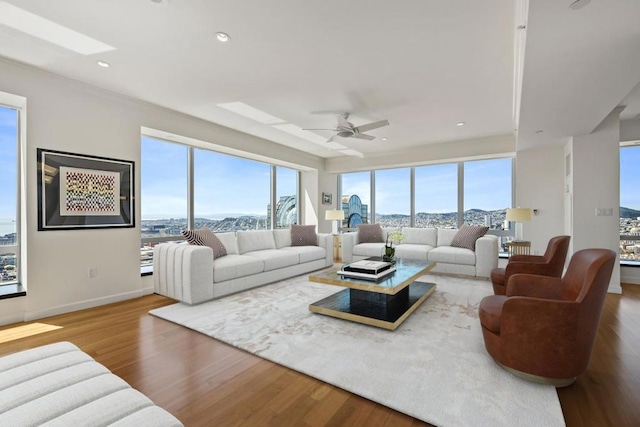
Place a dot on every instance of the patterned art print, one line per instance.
(89, 192)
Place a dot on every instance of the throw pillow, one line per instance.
(205, 237)
(370, 233)
(303, 235)
(467, 235)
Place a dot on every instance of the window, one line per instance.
(487, 192)
(286, 197)
(485, 188)
(356, 198)
(9, 144)
(437, 196)
(228, 193)
(164, 204)
(629, 205)
(393, 197)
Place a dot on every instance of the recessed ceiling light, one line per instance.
(103, 64)
(460, 124)
(539, 131)
(384, 138)
(223, 37)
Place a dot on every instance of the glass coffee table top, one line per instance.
(383, 304)
(407, 271)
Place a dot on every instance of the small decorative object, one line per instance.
(389, 251)
(326, 198)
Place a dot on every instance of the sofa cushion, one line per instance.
(249, 241)
(467, 235)
(370, 233)
(229, 241)
(446, 235)
(369, 249)
(304, 235)
(308, 253)
(411, 251)
(205, 237)
(282, 236)
(451, 255)
(234, 266)
(420, 236)
(274, 259)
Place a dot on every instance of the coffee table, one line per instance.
(385, 304)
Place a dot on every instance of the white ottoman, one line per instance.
(60, 385)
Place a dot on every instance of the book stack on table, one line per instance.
(368, 270)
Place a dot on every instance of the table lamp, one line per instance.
(519, 215)
(335, 216)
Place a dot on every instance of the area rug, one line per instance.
(434, 367)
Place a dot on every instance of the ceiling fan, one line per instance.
(346, 129)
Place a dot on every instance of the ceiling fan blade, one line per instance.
(342, 120)
(363, 136)
(371, 126)
(335, 130)
(331, 139)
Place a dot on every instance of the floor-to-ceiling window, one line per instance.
(487, 192)
(356, 198)
(436, 196)
(225, 193)
(629, 205)
(9, 205)
(393, 197)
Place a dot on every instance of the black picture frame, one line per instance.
(78, 191)
(326, 198)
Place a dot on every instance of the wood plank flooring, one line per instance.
(205, 382)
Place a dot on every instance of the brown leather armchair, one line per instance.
(544, 328)
(549, 264)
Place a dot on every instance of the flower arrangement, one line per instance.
(389, 251)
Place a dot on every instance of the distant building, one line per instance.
(286, 212)
(355, 212)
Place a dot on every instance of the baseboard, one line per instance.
(615, 289)
(67, 308)
(147, 291)
(11, 318)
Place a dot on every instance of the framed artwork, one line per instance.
(79, 191)
(326, 198)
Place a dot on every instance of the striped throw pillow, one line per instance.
(303, 235)
(205, 237)
(467, 235)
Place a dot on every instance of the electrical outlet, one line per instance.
(92, 272)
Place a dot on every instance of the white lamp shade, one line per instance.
(519, 214)
(334, 215)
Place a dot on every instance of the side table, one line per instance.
(519, 247)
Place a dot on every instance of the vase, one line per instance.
(389, 253)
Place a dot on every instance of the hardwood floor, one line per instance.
(204, 382)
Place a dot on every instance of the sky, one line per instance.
(232, 185)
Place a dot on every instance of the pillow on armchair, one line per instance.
(370, 233)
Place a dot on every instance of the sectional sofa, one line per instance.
(189, 273)
(430, 244)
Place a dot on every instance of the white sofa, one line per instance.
(60, 385)
(430, 244)
(189, 273)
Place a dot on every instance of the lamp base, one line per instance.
(519, 237)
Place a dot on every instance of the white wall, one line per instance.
(539, 185)
(595, 184)
(69, 116)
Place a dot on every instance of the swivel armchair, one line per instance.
(544, 328)
(550, 264)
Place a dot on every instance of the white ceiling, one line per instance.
(424, 65)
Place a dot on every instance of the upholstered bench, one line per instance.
(59, 385)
